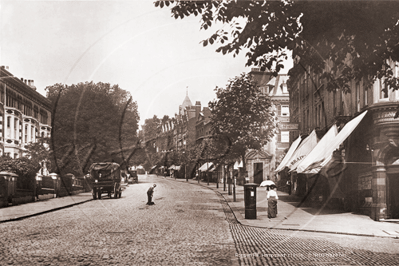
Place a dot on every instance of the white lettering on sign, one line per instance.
(288, 126)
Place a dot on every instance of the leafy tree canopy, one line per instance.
(89, 122)
(317, 33)
(151, 127)
(241, 114)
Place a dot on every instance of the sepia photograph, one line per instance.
(199, 132)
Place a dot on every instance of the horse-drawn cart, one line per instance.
(106, 178)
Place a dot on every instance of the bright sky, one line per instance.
(130, 43)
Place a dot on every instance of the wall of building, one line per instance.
(370, 149)
(25, 114)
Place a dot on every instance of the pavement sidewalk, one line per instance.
(291, 217)
(30, 209)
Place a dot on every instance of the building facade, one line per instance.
(25, 114)
(273, 152)
(366, 162)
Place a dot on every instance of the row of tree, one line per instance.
(90, 121)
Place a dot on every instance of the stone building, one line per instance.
(25, 114)
(262, 164)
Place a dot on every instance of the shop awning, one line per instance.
(304, 149)
(322, 154)
(205, 167)
(237, 165)
(174, 167)
(289, 154)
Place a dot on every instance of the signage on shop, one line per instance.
(288, 126)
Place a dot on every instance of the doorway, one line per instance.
(393, 198)
(258, 173)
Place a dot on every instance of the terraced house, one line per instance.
(25, 114)
(356, 159)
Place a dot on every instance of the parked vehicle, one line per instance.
(133, 177)
(106, 178)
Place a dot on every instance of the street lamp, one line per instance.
(185, 166)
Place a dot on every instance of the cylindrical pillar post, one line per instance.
(379, 188)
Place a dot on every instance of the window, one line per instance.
(357, 97)
(285, 136)
(16, 128)
(43, 116)
(285, 110)
(383, 89)
(27, 108)
(284, 87)
(335, 102)
(26, 133)
(36, 112)
(320, 115)
(2, 95)
(8, 126)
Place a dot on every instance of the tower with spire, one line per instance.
(186, 103)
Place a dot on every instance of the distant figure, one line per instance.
(289, 187)
(272, 202)
(150, 193)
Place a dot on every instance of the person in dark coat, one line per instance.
(272, 198)
(289, 187)
(150, 193)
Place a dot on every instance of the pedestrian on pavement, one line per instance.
(289, 187)
(150, 193)
(272, 198)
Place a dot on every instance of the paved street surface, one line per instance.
(186, 226)
(189, 224)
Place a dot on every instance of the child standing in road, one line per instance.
(150, 193)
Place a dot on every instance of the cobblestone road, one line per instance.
(260, 246)
(188, 225)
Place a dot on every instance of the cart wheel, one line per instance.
(115, 193)
(94, 194)
(99, 194)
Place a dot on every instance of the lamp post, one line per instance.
(185, 166)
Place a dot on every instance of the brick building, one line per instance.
(359, 167)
